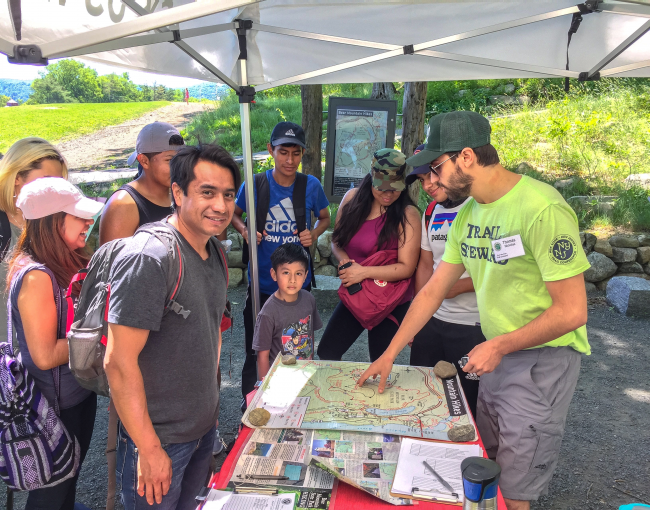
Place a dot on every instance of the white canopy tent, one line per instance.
(276, 42)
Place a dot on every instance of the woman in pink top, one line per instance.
(378, 215)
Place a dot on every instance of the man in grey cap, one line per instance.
(147, 198)
(518, 240)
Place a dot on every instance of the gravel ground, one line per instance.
(605, 459)
(111, 147)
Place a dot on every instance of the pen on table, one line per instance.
(440, 478)
(266, 477)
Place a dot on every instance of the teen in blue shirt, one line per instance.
(286, 147)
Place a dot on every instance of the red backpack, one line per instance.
(377, 299)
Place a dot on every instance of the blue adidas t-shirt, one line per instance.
(281, 222)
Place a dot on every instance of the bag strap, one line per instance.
(299, 201)
(56, 372)
(428, 213)
(5, 234)
(263, 191)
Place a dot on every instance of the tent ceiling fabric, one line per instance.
(274, 57)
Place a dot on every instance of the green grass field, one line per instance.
(60, 122)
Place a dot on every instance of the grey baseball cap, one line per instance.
(156, 137)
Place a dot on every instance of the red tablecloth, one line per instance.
(344, 496)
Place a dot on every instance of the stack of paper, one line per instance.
(414, 479)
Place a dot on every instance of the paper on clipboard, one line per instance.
(224, 500)
(445, 458)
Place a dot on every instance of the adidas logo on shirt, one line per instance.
(290, 133)
(281, 220)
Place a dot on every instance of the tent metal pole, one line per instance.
(638, 33)
(641, 10)
(549, 71)
(251, 218)
(144, 40)
(622, 69)
(185, 47)
(159, 19)
(6, 47)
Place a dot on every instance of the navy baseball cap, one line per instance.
(288, 133)
(418, 170)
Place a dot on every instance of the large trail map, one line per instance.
(324, 395)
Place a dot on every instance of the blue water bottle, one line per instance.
(480, 483)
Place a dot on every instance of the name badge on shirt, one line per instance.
(508, 248)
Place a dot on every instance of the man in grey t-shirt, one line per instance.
(162, 368)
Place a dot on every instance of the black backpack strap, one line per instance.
(5, 234)
(263, 200)
(299, 201)
(176, 270)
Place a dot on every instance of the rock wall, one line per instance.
(619, 255)
(325, 264)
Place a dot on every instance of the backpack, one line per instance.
(5, 235)
(89, 327)
(299, 201)
(377, 298)
(36, 450)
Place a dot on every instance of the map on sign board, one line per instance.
(359, 134)
(324, 395)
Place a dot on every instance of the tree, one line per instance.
(3, 100)
(67, 81)
(47, 91)
(413, 112)
(312, 123)
(383, 90)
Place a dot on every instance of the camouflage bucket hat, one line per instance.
(388, 166)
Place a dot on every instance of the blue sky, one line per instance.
(20, 72)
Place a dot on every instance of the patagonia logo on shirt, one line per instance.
(439, 220)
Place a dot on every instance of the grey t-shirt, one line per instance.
(287, 327)
(179, 360)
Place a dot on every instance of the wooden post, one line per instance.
(413, 112)
(312, 123)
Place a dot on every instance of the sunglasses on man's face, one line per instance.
(434, 169)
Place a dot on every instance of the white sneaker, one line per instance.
(219, 444)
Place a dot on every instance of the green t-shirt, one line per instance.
(511, 293)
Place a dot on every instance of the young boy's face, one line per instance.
(290, 277)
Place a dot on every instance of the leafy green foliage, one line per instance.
(69, 81)
(65, 121)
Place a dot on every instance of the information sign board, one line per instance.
(356, 128)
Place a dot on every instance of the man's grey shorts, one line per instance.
(521, 412)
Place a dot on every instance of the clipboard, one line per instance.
(434, 497)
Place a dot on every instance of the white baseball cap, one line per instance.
(50, 195)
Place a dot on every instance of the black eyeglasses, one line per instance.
(434, 168)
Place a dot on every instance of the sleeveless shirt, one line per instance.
(149, 212)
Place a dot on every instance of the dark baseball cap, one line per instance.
(452, 132)
(156, 137)
(288, 133)
(418, 170)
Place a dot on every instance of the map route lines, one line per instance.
(325, 395)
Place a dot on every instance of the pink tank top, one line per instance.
(364, 242)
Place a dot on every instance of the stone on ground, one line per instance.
(590, 287)
(589, 242)
(621, 255)
(603, 246)
(629, 296)
(461, 433)
(643, 254)
(509, 88)
(601, 267)
(623, 241)
(234, 259)
(638, 180)
(236, 239)
(325, 271)
(644, 240)
(445, 370)
(564, 183)
(325, 244)
(630, 267)
(326, 291)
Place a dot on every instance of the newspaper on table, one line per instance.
(366, 461)
(285, 453)
(313, 459)
(315, 394)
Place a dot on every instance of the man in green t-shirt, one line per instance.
(519, 242)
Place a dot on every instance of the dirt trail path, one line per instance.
(110, 147)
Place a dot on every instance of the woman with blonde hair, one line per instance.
(25, 161)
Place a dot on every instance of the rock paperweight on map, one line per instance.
(445, 370)
(259, 417)
(461, 433)
(288, 359)
(324, 395)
